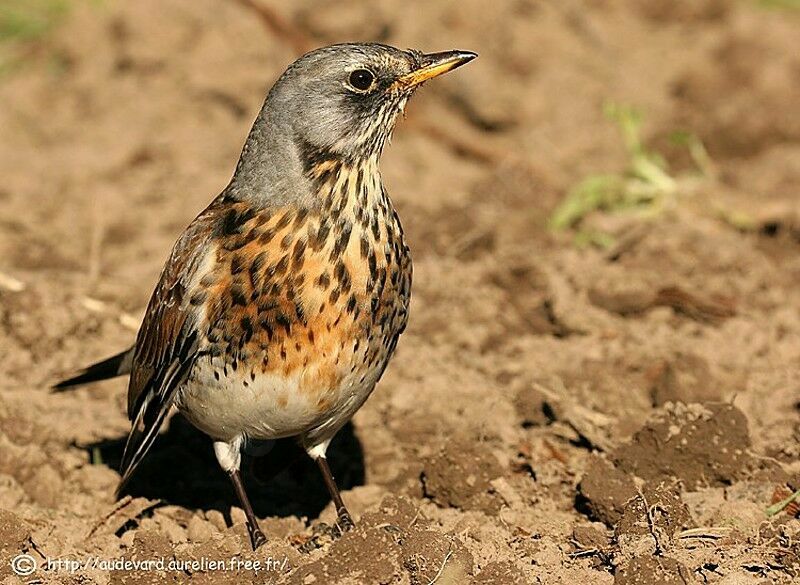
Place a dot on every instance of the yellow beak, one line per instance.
(435, 64)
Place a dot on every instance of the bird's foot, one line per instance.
(344, 523)
(310, 545)
(257, 538)
(321, 533)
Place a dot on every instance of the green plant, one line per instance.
(23, 25)
(780, 4)
(645, 186)
(25, 20)
(783, 504)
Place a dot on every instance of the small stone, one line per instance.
(45, 487)
(217, 520)
(590, 537)
(11, 493)
(238, 516)
(127, 538)
(175, 533)
(199, 530)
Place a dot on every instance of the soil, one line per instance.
(555, 413)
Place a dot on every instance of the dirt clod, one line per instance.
(604, 491)
(674, 443)
(500, 573)
(428, 556)
(460, 476)
(531, 406)
(648, 570)
(590, 537)
(13, 531)
(685, 379)
(651, 519)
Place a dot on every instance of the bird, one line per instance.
(281, 304)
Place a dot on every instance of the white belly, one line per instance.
(270, 406)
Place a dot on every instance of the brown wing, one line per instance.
(166, 346)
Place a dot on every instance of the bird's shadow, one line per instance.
(181, 469)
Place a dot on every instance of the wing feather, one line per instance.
(167, 344)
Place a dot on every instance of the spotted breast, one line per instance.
(300, 308)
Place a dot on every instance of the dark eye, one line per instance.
(362, 79)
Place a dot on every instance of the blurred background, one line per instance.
(604, 211)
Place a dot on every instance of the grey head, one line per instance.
(340, 101)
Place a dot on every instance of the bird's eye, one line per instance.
(362, 79)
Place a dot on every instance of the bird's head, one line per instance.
(344, 99)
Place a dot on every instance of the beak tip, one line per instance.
(463, 57)
(460, 58)
(434, 64)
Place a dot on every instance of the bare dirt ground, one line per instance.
(620, 413)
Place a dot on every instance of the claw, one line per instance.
(345, 522)
(257, 537)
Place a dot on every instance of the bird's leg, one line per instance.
(257, 537)
(344, 520)
(229, 455)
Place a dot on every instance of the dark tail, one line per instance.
(117, 365)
